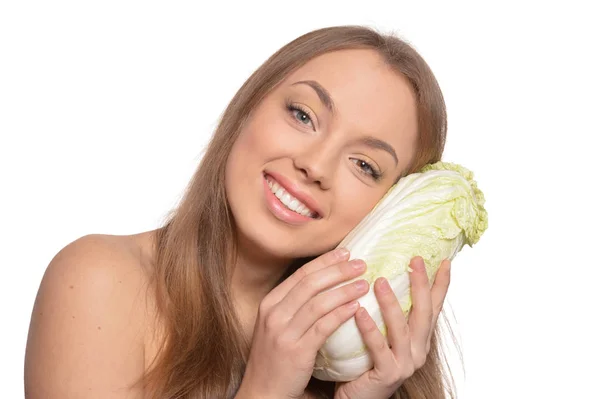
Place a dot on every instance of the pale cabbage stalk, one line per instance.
(431, 214)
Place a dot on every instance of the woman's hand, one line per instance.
(409, 342)
(293, 322)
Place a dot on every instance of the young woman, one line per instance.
(226, 299)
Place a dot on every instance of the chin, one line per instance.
(272, 240)
(261, 231)
(266, 240)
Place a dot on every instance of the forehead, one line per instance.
(370, 97)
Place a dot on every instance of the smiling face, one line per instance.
(328, 142)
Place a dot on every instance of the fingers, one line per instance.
(325, 303)
(318, 281)
(407, 345)
(420, 319)
(412, 339)
(427, 306)
(323, 261)
(384, 359)
(324, 327)
(440, 289)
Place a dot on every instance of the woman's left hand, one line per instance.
(409, 342)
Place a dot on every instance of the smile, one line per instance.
(289, 201)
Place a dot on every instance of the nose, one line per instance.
(317, 164)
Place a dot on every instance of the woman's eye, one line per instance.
(366, 168)
(300, 115)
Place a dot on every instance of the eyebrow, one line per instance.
(380, 145)
(326, 99)
(323, 94)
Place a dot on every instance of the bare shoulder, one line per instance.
(86, 337)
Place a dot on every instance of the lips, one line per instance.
(291, 202)
(296, 192)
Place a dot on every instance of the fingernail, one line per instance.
(362, 313)
(361, 284)
(384, 285)
(419, 264)
(342, 252)
(358, 264)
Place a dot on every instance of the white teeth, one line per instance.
(303, 210)
(294, 205)
(288, 200)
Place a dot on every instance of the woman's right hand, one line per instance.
(295, 319)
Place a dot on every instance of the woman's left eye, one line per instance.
(367, 168)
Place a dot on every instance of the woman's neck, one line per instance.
(255, 274)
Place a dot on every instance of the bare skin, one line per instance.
(91, 334)
(79, 349)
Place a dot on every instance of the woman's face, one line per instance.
(328, 142)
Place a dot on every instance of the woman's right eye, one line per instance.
(300, 115)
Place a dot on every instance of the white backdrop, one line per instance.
(105, 108)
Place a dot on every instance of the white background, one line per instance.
(105, 108)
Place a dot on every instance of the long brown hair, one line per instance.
(203, 351)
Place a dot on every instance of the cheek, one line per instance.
(258, 139)
(246, 143)
(239, 165)
(353, 207)
(245, 153)
(270, 135)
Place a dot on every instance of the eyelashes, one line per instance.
(297, 110)
(366, 168)
(302, 116)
